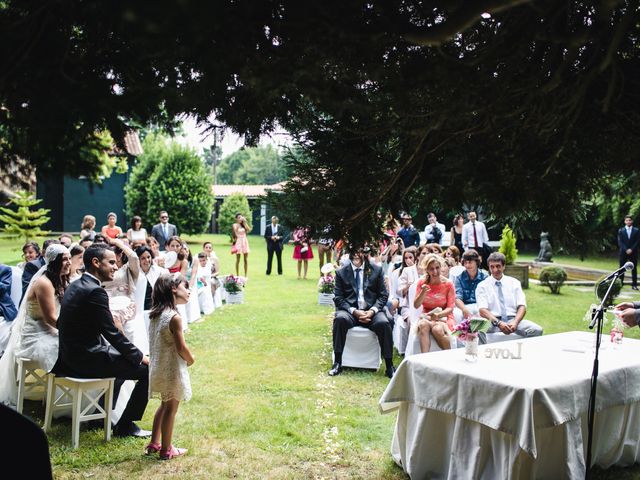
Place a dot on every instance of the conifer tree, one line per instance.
(24, 222)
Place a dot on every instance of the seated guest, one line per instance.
(66, 239)
(136, 234)
(8, 310)
(87, 229)
(360, 296)
(86, 241)
(408, 233)
(34, 334)
(77, 265)
(149, 273)
(90, 344)
(501, 300)
(30, 251)
(32, 267)
(466, 284)
(436, 295)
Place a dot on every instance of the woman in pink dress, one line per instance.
(437, 295)
(241, 243)
(302, 251)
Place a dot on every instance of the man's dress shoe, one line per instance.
(130, 430)
(335, 370)
(390, 371)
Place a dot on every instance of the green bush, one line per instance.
(181, 186)
(232, 205)
(601, 290)
(508, 245)
(553, 277)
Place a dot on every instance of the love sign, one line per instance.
(504, 353)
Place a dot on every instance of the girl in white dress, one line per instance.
(170, 357)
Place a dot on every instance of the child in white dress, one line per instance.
(170, 357)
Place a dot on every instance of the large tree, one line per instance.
(523, 107)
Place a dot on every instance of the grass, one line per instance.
(263, 405)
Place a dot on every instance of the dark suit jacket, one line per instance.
(30, 269)
(157, 233)
(7, 308)
(89, 340)
(375, 290)
(625, 242)
(268, 233)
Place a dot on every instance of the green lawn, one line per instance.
(263, 405)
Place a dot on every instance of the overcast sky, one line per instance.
(230, 142)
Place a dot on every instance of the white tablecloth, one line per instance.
(523, 418)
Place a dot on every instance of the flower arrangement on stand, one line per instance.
(234, 286)
(467, 331)
(326, 285)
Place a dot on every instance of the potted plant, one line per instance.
(326, 285)
(509, 250)
(234, 287)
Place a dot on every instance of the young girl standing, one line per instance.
(170, 357)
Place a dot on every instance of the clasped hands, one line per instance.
(507, 327)
(363, 316)
(627, 313)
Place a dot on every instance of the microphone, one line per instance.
(625, 268)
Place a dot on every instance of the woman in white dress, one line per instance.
(136, 234)
(34, 334)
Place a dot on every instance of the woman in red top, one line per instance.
(437, 296)
(111, 230)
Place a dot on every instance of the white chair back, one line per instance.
(16, 285)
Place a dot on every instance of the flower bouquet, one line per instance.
(467, 331)
(233, 284)
(326, 285)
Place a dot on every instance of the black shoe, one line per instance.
(390, 371)
(335, 370)
(130, 430)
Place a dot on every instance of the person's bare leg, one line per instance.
(320, 257)
(156, 430)
(306, 267)
(246, 264)
(168, 420)
(328, 255)
(441, 337)
(237, 265)
(299, 268)
(424, 335)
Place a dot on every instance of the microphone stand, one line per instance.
(597, 318)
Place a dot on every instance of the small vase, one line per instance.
(325, 299)
(237, 297)
(471, 347)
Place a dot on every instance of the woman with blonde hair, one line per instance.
(437, 296)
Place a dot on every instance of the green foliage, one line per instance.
(24, 222)
(601, 289)
(232, 205)
(252, 166)
(181, 186)
(553, 277)
(137, 189)
(508, 245)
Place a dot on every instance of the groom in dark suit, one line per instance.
(360, 298)
(628, 238)
(90, 344)
(274, 235)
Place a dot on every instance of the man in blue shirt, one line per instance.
(408, 233)
(466, 284)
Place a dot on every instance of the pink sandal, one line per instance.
(172, 452)
(152, 448)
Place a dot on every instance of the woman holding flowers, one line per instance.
(436, 294)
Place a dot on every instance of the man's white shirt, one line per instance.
(467, 235)
(487, 295)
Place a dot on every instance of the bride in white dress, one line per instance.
(34, 334)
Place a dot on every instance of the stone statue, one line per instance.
(545, 249)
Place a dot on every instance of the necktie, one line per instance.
(503, 308)
(475, 235)
(358, 281)
(164, 231)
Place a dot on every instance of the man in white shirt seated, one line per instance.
(501, 300)
(434, 231)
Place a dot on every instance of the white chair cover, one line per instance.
(205, 300)
(361, 349)
(16, 285)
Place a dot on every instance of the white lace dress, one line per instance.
(168, 375)
(39, 340)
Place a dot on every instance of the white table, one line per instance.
(513, 419)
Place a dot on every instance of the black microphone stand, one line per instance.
(597, 318)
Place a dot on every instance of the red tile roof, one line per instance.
(250, 191)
